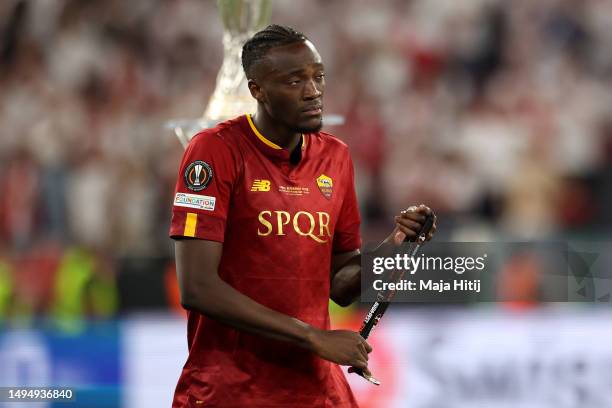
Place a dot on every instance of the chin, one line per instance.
(312, 126)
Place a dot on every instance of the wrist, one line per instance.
(309, 336)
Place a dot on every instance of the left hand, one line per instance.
(409, 223)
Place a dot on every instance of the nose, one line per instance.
(312, 90)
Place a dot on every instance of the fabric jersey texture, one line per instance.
(280, 220)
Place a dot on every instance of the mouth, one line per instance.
(313, 110)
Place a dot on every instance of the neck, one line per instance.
(275, 132)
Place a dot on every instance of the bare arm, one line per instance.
(346, 274)
(345, 277)
(203, 291)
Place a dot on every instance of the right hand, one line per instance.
(342, 347)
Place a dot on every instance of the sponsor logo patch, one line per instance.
(199, 202)
(198, 175)
(260, 185)
(325, 184)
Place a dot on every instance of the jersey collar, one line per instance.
(268, 147)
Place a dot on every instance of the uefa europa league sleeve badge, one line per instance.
(198, 175)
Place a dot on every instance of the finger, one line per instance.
(433, 230)
(412, 215)
(367, 346)
(366, 371)
(399, 237)
(406, 222)
(409, 232)
(359, 363)
(430, 235)
(412, 208)
(363, 351)
(423, 209)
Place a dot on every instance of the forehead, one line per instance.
(290, 58)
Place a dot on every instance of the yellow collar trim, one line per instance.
(260, 136)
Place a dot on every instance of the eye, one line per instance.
(293, 82)
(320, 76)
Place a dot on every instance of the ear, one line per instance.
(256, 91)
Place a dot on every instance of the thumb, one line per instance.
(399, 237)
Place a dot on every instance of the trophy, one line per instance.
(231, 97)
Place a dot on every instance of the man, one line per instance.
(267, 230)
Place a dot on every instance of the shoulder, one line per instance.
(332, 144)
(223, 138)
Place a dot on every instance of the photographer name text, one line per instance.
(456, 285)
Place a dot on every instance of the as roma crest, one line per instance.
(325, 184)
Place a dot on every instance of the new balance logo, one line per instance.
(260, 185)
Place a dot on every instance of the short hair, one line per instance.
(256, 47)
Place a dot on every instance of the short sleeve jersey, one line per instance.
(280, 216)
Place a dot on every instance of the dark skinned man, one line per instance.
(266, 229)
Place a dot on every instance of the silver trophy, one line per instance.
(231, 98)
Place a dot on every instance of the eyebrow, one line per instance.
(299, 71)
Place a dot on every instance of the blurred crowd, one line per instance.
(497, 114)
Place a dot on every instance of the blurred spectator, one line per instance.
(6, 289)
(84, 287)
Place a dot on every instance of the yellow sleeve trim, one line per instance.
(260, 136)
(190, 224)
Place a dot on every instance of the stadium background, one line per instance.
(496, 114)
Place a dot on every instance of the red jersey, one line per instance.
(280, 218)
